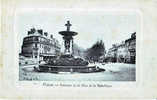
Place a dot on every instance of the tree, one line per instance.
(96, 51)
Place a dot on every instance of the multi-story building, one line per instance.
(37, 44)
(123, 52)
(131, 46)
(111, 55)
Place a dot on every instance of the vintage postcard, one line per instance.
(91, 52)
(77, 46)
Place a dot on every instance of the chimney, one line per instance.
(29, 32)
(51, 36)
(45, 33)
(33, 30)
(40, 31)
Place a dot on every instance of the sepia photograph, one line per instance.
(77, 46)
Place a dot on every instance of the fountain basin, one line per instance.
(72, 69)
(68, 33)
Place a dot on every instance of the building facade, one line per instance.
(125, 52)
(111, 55)
(131, 47)
(121, 52)
(37, 44)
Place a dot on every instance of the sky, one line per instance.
(111, 27)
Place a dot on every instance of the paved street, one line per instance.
(114, 72)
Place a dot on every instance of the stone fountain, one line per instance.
(67, 62)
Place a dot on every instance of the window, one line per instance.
(36, 45)
(36, 38)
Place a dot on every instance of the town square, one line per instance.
(45, 57)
